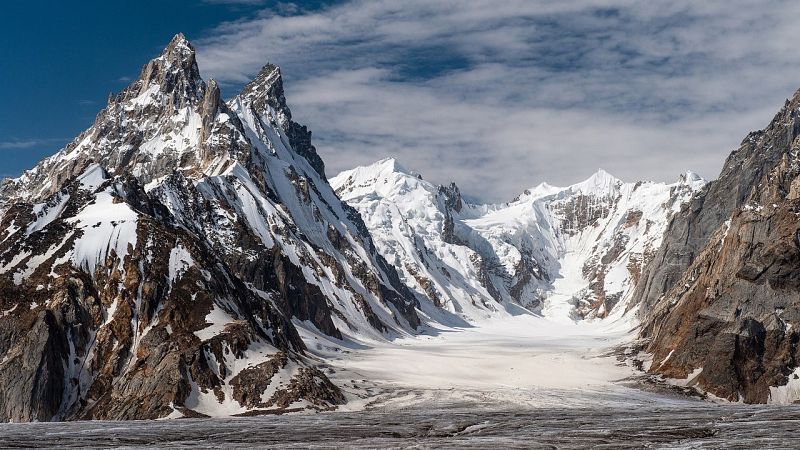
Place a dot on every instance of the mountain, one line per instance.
(720, 301)
(160, 264)
(168, 260)
(569, 253)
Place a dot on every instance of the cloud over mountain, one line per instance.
(508, 95)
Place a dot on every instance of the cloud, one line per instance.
(500, 96)
(17, 144)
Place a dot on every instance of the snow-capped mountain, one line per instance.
(573, 252)
(413, 224)
(159, 263)
(171, 260)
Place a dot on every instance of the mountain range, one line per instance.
(177, 258)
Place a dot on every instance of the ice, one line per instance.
(634, 424)
(519, 360)
(215, 323)
(107, 225)
(180, 260)
(788, 393)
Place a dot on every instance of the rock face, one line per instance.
(720, 300)
(159, 264)
(587, 242)
(165, 262)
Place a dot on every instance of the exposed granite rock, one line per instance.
(177, 237)
(722, 294)
(121, 342)
(267, 87)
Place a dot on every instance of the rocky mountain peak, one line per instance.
(179, 48)
(169, 119)
(174, 74)
(176, 238)
(264, 96)
(452, 196)
(720, 295)
(266, 88)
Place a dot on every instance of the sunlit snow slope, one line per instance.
(157, 265)
(568, 253)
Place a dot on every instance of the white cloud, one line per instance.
(499, 96)
(16, 144)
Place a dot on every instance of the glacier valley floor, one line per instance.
(514, 382)
(519, 360)
(503, 359)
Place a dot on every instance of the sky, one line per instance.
(496, 96)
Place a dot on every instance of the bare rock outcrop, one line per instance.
(159, 264)
(721, 298)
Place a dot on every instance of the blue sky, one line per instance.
(62, 58)
(497, 96)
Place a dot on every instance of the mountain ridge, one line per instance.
(515, 267)
(155, 267)
(723, 298)
(181, 256)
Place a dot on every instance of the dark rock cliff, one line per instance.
(722, 294)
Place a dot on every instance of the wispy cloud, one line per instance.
(16, 144)
(502, 95)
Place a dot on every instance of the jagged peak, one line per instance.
(794, 101)
(179, 48)
(452, 196)
(174, 73)
(178, 56)
(266, 88)
(267, 77)
(264, 96)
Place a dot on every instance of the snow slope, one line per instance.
(407, 217)
(181, 230)
(180, 256)
(568, 253)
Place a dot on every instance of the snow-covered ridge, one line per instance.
(176, 209)
(249, 160)
(568, 252)
(167, 262)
